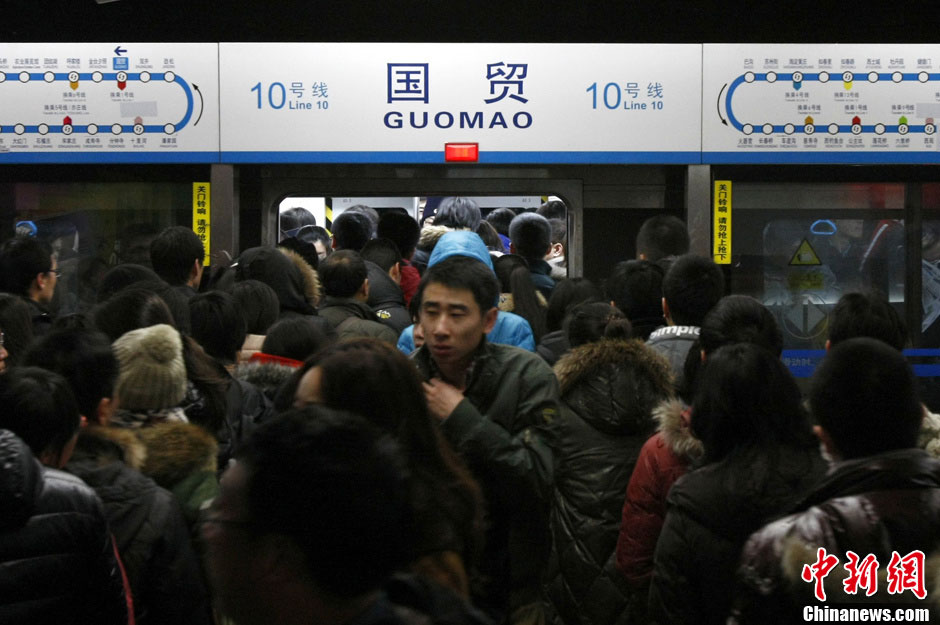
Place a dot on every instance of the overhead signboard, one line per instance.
(802, 103)
(521, 103)
(106, 103)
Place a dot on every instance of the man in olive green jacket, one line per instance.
(498, 406)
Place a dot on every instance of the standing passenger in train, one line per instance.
(383, 266)
(57, 560)
(566, 295)
(557, 256)
(500, 218)
(177, 256)
(610, 385)
(454, 213)
(661, 240)
(498, 406)
(510, 329)
(16, 329)
(760, 458)
(517, 293)
(691, 288)
(292, 220)
(29, 269)
(351, 230)
(880, 500)
(346, 290)
(274, 268)
(531, 237)
(403, 231)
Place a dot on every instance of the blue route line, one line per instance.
(823, 128)
(102, 128)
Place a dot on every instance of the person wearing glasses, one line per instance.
(29, 269)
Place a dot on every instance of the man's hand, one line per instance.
(442, 398)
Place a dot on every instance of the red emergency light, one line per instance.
(461, 152)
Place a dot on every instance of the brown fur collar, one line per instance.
(430, 235)
(133, 450)
(309, 274)
(675, 433)
(584, 359)
(176, 450)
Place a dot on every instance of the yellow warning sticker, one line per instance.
(721, 241)
(814, 280)
(805, 255)
(202, 215)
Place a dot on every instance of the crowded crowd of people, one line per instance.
(403, 423)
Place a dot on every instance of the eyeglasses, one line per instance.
(56, 272)
(1, 338)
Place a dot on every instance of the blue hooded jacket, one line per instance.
(510, 329)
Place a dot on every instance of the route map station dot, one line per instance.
(169, 76)
(823, 77)
(48, 76)
(897, 76)
(24, 76)
(872, 76)
(43, 129)
(138, 129)
(930, 129)
(97, 77)
(848, 77)
(92, 129)
(789, 129)
(67, 129)
(797, 76)
(747, 129)
(121, 76)
(771, 77)
(3, 76)
(145, 77)
(923, 77)
(116, 129)
(750, 77)
(809, 129)
(73, 76)
(902, 129)
(767, 128)
(856, 129)
(19, 129)
(833, 129)
(169, 129)
(879, 129)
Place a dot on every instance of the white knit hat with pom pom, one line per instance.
(152, 373)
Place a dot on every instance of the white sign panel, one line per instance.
(104, 103)
(538, 103)
(820, 103)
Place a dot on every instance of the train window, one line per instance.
(799, 247)
(94, 226)
(311, 218)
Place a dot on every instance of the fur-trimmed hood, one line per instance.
(673, 425)
(266, 376)
(177, 450)
(310, 277)
(104, 445)
(614, 384)
(430, 234)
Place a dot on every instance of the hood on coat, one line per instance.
(617, 382)
(310, 277)
(20, 481)
(675, 430)
(264, 375)
(431, 234)
(461, 243)
(177, 450)
(275, 269)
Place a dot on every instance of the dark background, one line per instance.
(663, 21)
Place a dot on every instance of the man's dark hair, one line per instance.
(636, 288)
(662, 236)
(370, 213)
(342, 273)
(458, 212)
(298, 337)
(403, 230)
(531, 235)
(16, 322)
(293, 219)
(500, 218)
(463, 272)
(122, 276)
(559, 231)
(217, 325)
(258, 305)
(567, 294)
(382, 252)
(129, 310)
(691, 287)
(351, 230)
(337, 488)
(39, 407)
(21, 260)
(84, 358)
(864, 394)
(312, 234)
(173, 253)
(553, 209)
(866, 314)
(306, 250)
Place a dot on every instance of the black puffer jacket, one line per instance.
(873, 505)
(387, 300)
(609, 389)
(711, 512)
(57, 562)
(148, 528)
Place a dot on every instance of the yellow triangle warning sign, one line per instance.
(805, 255)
